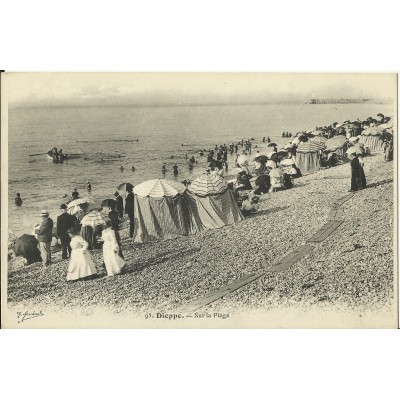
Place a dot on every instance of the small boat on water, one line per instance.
(60, 158)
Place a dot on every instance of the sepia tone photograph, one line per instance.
(199, 200)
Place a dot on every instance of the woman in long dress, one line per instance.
(111, 251)
(81, 264)
(358, 180)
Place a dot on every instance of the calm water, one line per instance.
(108, 132)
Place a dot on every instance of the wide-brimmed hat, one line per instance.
(44, 213)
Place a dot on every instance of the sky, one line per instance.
(117, 89)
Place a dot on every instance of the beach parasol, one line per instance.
(75, 205)
(316, 133)
(319, 139)
(388, 125)
(272, 144)
(275, 173)
(125, 186)
(77, 202)
(27, 246)
(109, 203)
(269, 155)
(372, 131)
(159, 188)
(385, 136)
(94, 218)
(287, 162)
(271, 164)
(303, 138)
(263, 159)
(282, 153)
(337, 142)
(207, 185)
(355, 149)
(310, 147)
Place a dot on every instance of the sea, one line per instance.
(143, 137)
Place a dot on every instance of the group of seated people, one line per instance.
(267, 180)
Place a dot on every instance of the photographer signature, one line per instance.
(24, 316)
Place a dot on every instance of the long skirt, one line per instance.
(81, 265)
(358, 180)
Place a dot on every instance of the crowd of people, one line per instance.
(77, 240)
(275, 171)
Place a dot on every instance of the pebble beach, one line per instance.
(350, 271)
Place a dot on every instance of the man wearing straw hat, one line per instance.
(44, 234)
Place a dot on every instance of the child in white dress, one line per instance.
(81, 264)
(112, 260)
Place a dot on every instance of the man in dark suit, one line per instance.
(129, 210)
(64, 222)
(44, 234)
(120, 205)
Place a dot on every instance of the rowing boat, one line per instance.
(63, 158)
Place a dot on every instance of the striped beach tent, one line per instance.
(370, 138)
(308, 156)
(212, 204)
(337, 144)
(161, 211)
(310, 147)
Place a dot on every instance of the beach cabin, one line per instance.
(212, 204)
(337, 145)
(161, 211)
(308, 156)
(370, 138)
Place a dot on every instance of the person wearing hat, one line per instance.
(44, 234)
(64, 222)
(119, 208)
(129, 209)
(358, 180)
(81, 265)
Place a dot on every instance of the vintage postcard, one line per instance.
(199, 200)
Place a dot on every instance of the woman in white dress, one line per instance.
(81, 264)
(111, 251)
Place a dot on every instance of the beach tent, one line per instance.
(308, 156)
(212, 204)
(370, 138)
(336, 144)
(161, 211)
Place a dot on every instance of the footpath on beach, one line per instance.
(311, 245)
(334, 221)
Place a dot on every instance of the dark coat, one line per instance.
(45, 231)
(120, 204)
(129, 204)
(64, 222)
(358, 180)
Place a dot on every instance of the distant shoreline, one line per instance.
(227, 104)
